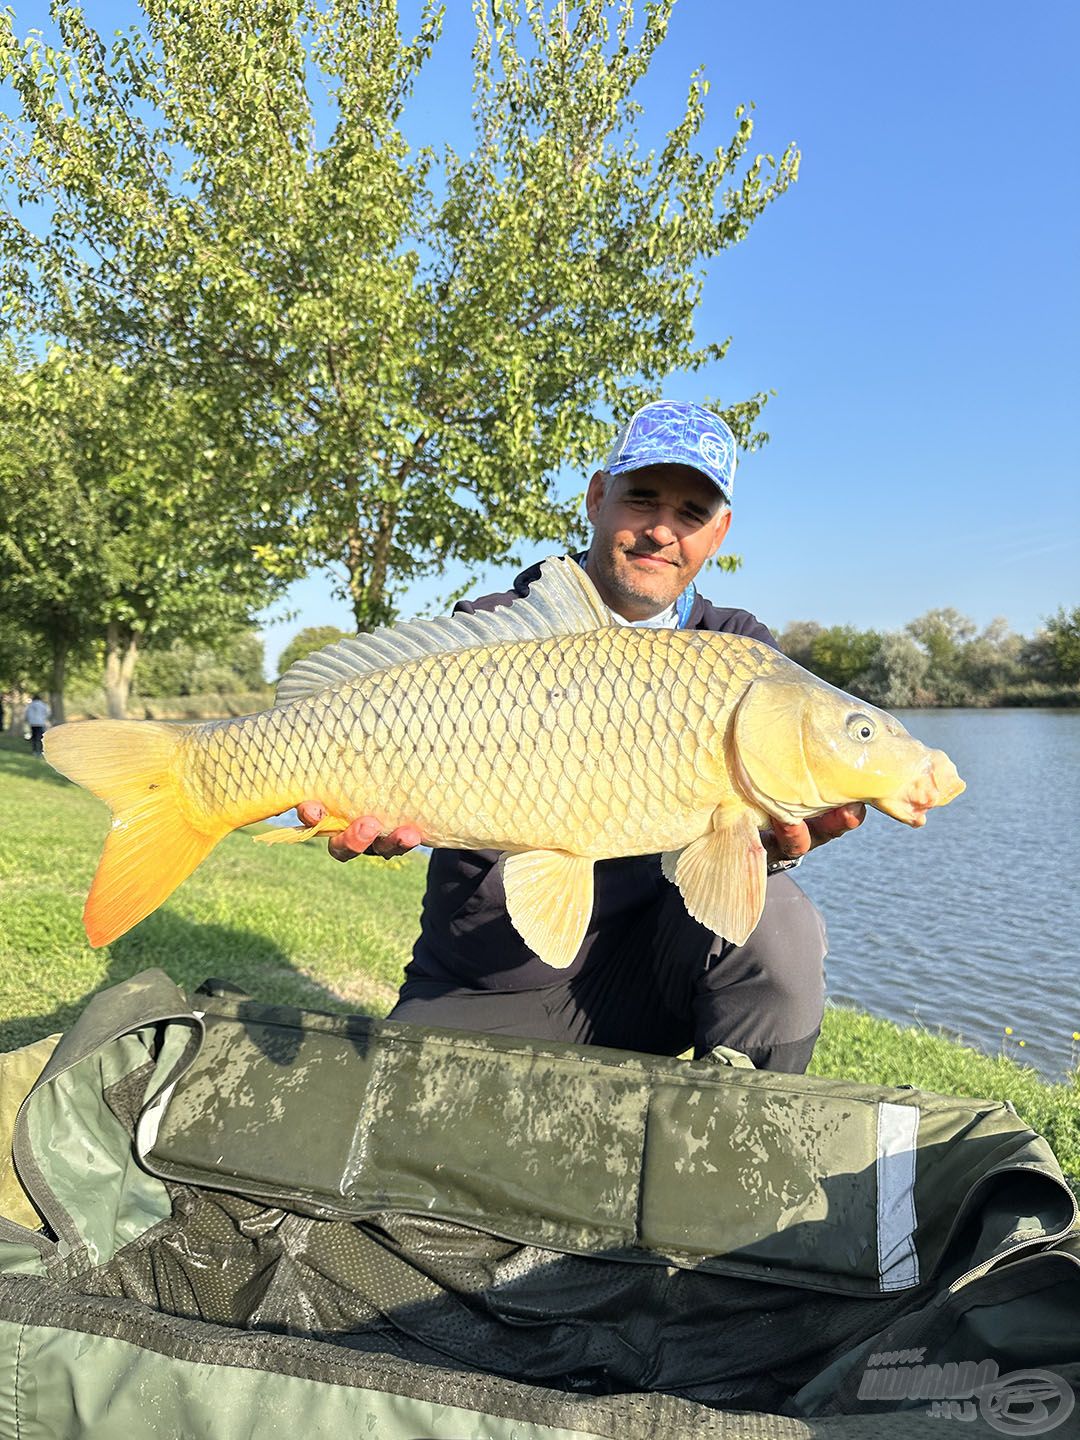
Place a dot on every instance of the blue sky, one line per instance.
(913, 300)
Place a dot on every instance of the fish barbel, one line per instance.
(543, 730)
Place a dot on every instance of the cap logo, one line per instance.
(712, 451)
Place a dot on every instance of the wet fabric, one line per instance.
(575, 1223)
(851, 1188)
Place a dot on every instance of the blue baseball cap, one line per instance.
(672, 432)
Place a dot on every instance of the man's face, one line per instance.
(653, 530)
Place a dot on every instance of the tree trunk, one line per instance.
(368, 563)
(121, 652)
(56, 683)
(14, 706)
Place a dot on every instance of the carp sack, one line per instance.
(543, 730)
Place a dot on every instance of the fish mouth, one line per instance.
(935, 784)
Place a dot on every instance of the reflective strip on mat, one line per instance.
(897, 1132)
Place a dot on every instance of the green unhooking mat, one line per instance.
(259, 1221)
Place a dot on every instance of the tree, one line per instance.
(797, 641)
(841, 653)
(243, 656)
(894, 674)
(315, 637)
(1062, 642)
(22, 672)
(989, 662)
(234, 664)
(116, 523)
(417, 340)
(941, 633)
(50, 524)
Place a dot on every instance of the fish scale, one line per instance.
(499, 746)
(541, 730)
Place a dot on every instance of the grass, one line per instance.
(286, 923)
(858, 1046)
(292, 927)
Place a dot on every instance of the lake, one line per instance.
(972, 923)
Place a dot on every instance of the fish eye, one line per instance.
(861, 727)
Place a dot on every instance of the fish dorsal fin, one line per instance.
(561, 601)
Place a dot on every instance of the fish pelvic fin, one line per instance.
(721, 874)
(153, 845)
(297, 834)
(549, 898)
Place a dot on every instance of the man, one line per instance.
(647, 977)
(37, 721)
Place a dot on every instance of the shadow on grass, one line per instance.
(17, 760)
(189, 954)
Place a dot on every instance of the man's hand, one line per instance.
(362, 835)
(782, 842)
(790, 842)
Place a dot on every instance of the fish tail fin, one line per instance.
(152, 845)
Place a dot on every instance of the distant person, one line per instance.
(648, 977)
(37, 718)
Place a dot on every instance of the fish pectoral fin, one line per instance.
(294, 834)
(721, 874)
(549, 898)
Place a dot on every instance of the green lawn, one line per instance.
(290, 925)
(285, 922)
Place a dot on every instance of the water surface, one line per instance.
(973, 922)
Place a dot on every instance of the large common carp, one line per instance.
(542, 729)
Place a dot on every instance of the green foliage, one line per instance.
(841, 653)
(217, 705)
(942, 633)
(895, 673)
(242, 655)
(23, 667)
(797, 641)
(165, 672)
(118, 527)
(303, 643)
(235, 664)
(939, 659)
(1062, 643)
(990, 662)
(55, 462)
(1039, 693)
(410, 343)
(966, 667)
